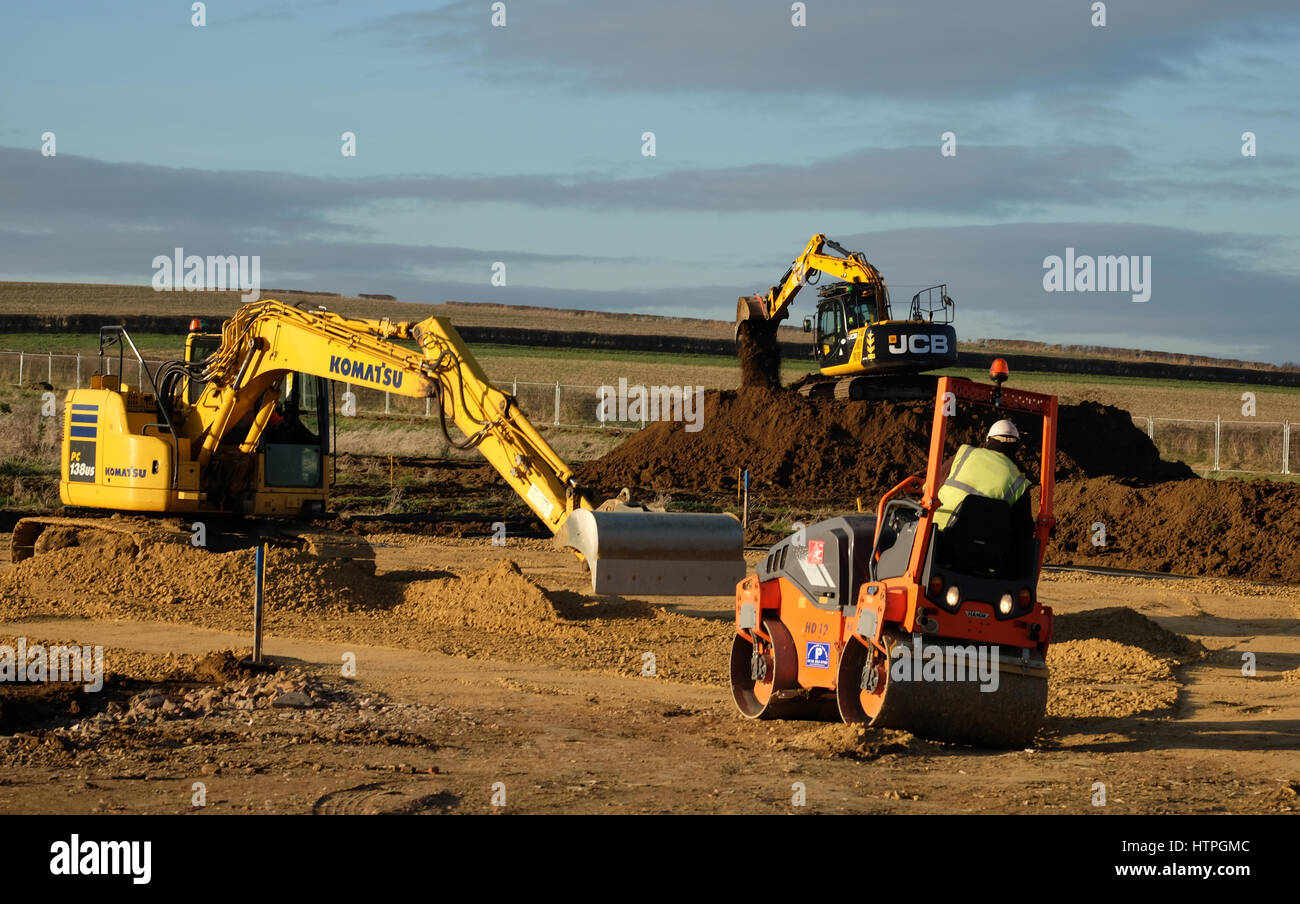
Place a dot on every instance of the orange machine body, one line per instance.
(805, 634)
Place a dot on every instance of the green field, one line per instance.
(1144, 397)
(86, 344)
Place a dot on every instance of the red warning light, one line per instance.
(999, 370)
(196, 325)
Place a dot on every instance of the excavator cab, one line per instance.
(296, 442)
(843, 311)
(294, 448)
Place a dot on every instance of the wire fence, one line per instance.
(1245, 447)
(554, 404)
(1240, 447)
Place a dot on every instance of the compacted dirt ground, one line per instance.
(471, 678)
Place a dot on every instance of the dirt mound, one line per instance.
(511, 616)
(499, 599)
(104, 544)
(78, 579)
(840, 450)
(1094, 679)
(855, 742)
(822, 454)
(1095, 440)
(1229, 528)
(217, 667)
(1122, 625)
(1114, 663)
(759, 351)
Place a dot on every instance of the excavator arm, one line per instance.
(850, 267)
(627, 550)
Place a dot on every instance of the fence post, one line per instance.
(427, 401)
(49, 372)
(557, 404)
(20, 368)
(1218, 426)
(1151, 428)
(515, 391)
(78, 386)
(1286, 447)
(385, 401)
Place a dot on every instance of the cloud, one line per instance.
(980, 180)
(1214, 293)
(908, 50)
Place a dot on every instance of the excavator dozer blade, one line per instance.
(655, 554)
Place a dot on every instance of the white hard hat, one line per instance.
(1004, 429)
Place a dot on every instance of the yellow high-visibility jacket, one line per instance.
(982, 472)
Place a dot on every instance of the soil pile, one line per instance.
(499, 599)
(1114, 663)
(511, 616)
(760, 355)
(1123, 625)
(78, 580)
(820, 455)
(1102, 679)
(855, 742)
(838, 450)
(1231, 528)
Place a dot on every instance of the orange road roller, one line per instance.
(919, 618)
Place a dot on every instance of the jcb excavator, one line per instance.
(890, 621)
(861, 350)
(242, 427)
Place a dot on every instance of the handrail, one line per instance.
(121, 333)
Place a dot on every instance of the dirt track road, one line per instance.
(423, 731)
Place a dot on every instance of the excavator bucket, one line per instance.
(749, 308)
(639, 553)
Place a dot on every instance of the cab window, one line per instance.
(831, 325)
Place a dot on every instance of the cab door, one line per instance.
(297, 441)
(833, 346)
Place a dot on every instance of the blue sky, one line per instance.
(523, 144)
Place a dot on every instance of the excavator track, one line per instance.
(954, 711)
(858, 387)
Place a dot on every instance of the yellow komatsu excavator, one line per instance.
(242, 428)
(862, 351)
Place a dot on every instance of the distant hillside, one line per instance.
(1107, 353)
(41, 307)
